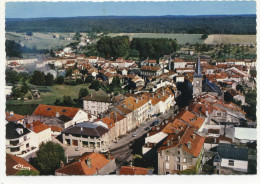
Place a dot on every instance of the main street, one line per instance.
(122, 148)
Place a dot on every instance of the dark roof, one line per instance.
(210, 87)
(64, 118)
(100, 97)
(11, 132)
(86, 129)
(230, 152)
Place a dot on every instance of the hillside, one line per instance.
(221, 24)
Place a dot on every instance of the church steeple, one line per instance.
(198, 68)
(170, 63)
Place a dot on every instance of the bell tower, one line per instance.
(197, 79)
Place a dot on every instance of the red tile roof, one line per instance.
(79, 167)
(110, 123)
(14, 117)
(132, 170)
(38, 126)
(191, 119)
(14, 164)
(56, 129)
(50, 110)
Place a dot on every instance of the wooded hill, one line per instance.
(213, 24)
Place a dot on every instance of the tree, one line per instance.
(83, 92)
(228, 97)
(24, 88)
(204, 36)
(38, 78)
(11, 77)
(60, 79)
(68, 72)
(67, 101)
(13, 49)
(79, 81)
(95, 85)
(89, 79)
(48, 158)
(49, 79)
(27, 173)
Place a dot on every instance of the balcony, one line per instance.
(27, 152)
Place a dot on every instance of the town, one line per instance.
(171, 116)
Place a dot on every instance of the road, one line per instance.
(122, 148)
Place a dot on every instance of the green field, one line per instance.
(50, 93)
(39, 40)
(181, 38)
(195, 38)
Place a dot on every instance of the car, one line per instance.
(77, 148)
(147, 128)
(134, 135)
(104, 151)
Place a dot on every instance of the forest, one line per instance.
(212, 24)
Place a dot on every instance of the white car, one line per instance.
(134, 135)
(104, 150)
(77, 149)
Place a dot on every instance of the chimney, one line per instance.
(108, 155)
(57, 114)
(189, 145)
(61, 164)
(179, 137)
(31, 126)
(88, 162)
(11, 113)
(131, 163)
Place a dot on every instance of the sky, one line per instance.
(74, 9)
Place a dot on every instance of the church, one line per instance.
(202, 85)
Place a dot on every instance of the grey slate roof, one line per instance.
(230, 152)
(86, 129)
(11, 132)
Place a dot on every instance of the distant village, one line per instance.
(177, 116)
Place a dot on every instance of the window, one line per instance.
(184, 160)
(218, 114)
(184, 167)
(167, 166)
(14, 143)
(177, 159)
(167, 158)
(15, 149)
(27, 145)
(25, 138)
(231, 162)
(179, 152)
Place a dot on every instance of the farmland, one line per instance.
(39, 40)
(195, 38)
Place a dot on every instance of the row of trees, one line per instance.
(120, 46)
(39, 78)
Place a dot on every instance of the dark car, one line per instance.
(147, 128)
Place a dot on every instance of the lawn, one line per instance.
(39, 40)
(50, 93)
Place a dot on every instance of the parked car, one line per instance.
(155, 123)
(147, 128)
(104, 151)
(134, 135)
(77, 148)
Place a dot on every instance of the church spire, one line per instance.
(198, 68)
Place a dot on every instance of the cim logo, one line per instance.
(21, 167)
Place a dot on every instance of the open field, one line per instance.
(233, 39)
(181, 38)
(39, 40)
(195, 38)
(50, 93)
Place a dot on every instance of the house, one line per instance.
(231, 159)
(19, 119)
(89, 164)
(58, 115)
(179, 63)
(42, 131)
(15, 164)
(132, 170)
(97, 103)
(180, 151)
(148, 71)
(20, 141)
(86, 134)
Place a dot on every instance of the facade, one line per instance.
(96, 104)
(132, 170)
(180, 152)
(86, 134)
(148, 71)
